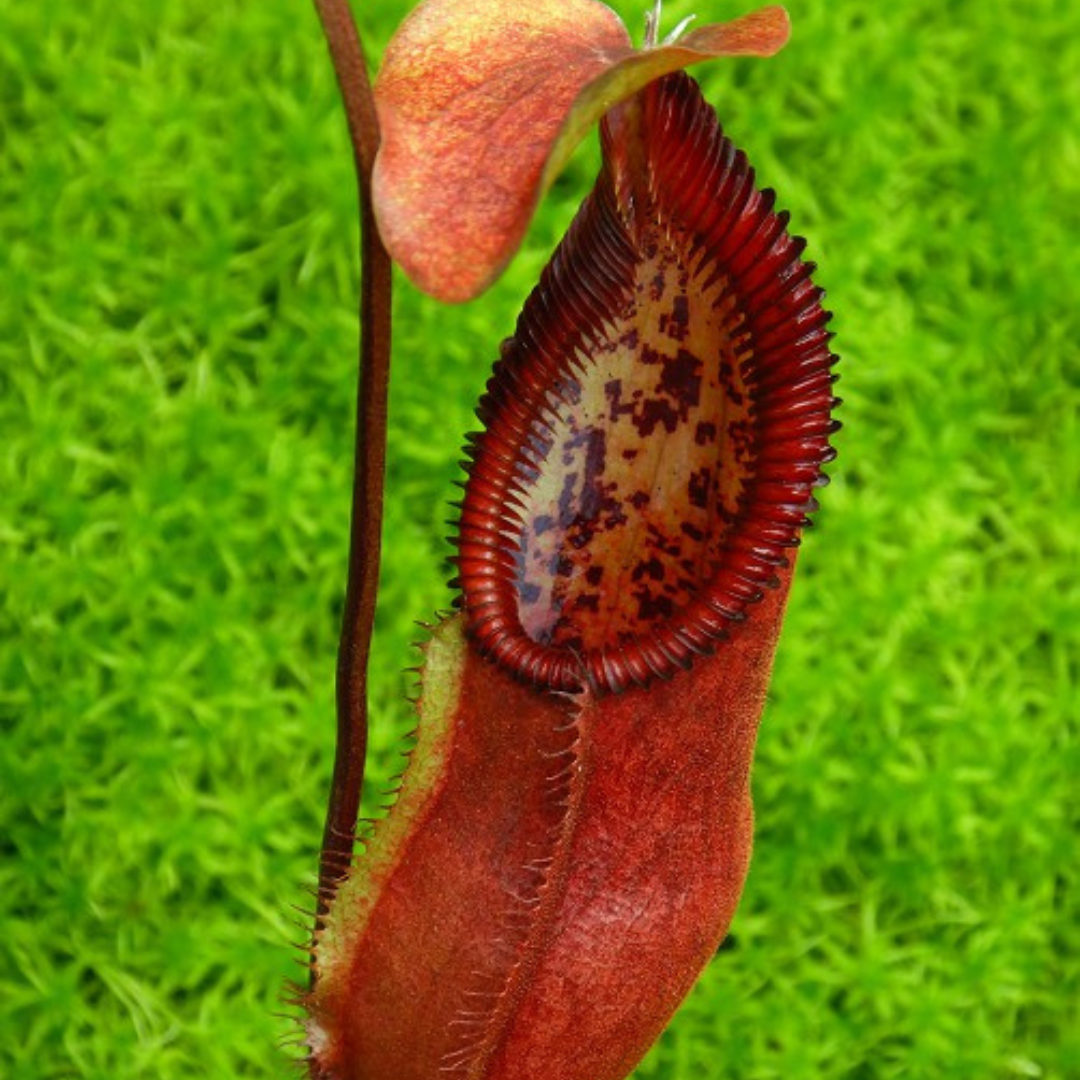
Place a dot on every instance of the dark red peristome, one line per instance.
(657, 424)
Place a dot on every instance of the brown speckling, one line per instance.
(653, 606)
(678, 322)
(698, 488)
(651, 568)
(680, 380)
(634, 497)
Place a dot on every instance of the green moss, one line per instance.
(177, 353)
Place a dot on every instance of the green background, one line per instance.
(177, 359)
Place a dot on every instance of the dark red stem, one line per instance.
(370, 465)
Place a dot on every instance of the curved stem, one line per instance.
(370, 463)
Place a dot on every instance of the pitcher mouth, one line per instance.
(657, 424)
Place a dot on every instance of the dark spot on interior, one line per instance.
(567, 510)
(595, 456)
(613, 508)
(705, 433)
(681, 381)
(662, 543)
(698, 488)
(657, 411)
(678, 323)
(654, 606)
(613, 392)
(741, 436)
(651, 568)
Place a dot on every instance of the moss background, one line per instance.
(177, 328)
